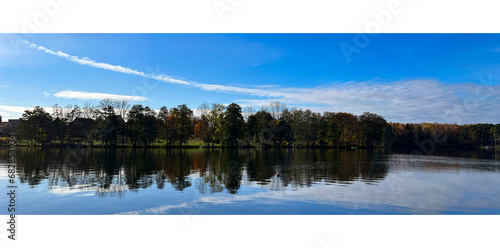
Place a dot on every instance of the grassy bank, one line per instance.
(194, 143)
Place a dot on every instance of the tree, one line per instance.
(252, 129)
(36, 126)
(232, 125)
(183, 124)
(372, 128)
(204, 109)
(247, 112)
(332, 131)
(480, 134)
(84, 130)
(276, 109)
(408, 136)
(71, 112)
(109, 122)
(264, 127)
(142, 125)
(163, 132)
(310, 126)
(283, 132)
(280, 127)
(59, 124)
(495, 130)
(388, 136)
(109, 129)
(201, 130)
(122, 107)
(150, 126)
(305, 125)
(215, 122)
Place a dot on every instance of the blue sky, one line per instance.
(451, 78)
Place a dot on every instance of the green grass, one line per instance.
(196, 142)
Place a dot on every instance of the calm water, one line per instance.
(221, 181)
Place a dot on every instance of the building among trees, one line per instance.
(6, 128)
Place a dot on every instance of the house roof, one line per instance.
(81, 119)
(14, 122)
(4, 124)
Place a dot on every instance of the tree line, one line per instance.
(117, 123)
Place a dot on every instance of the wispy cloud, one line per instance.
(404, 101)
(117, 68)
(86, 61)
(165, 78)
(82, 95)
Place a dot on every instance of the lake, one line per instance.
(244, 181)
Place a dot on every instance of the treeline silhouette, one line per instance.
(117, 123)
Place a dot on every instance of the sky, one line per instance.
(409, 78)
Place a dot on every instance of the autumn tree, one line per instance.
(201, 130)
(215, 117)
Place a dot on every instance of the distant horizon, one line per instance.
(406, 78)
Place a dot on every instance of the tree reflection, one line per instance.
(112, 172)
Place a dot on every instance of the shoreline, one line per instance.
(241, 147)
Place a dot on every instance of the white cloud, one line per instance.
(401, 101)
(267, 86)
(96, 96)
(13, 109)
(14, 112)
(256, 102)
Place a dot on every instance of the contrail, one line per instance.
(167, 79)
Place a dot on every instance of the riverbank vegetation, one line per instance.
(117, 123)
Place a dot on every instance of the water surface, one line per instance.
(225, 181)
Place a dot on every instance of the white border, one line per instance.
(247, 16)
(256, 231)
